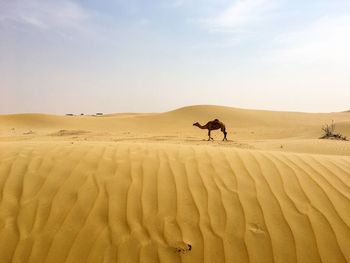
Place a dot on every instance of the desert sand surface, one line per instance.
(151, 188)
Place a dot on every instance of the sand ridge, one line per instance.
(122, 202)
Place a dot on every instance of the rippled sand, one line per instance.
(149, 188)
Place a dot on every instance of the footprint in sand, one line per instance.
(185, 248)
(256, 229)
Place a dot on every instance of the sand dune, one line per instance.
(327, 147)
(99, 202)
(147, 188)
(241, 123)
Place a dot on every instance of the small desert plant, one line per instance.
(328, 130)
(329, 133)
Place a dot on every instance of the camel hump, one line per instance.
(217, 120)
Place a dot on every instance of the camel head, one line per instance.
(196, 124)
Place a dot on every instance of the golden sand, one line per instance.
(150, 188)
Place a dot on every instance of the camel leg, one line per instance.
(210, 138)
(225, 134)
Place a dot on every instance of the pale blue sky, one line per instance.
(91, 56)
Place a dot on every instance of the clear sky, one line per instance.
(68, 56)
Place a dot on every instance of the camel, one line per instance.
(213, 125)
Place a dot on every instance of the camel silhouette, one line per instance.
(213, 125)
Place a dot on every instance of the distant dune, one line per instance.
(150, 188)
(269, 124)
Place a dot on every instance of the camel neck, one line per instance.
(201, 127)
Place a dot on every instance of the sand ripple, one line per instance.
(107, 202)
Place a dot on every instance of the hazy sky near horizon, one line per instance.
(68, 56)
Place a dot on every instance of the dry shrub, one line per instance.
(329, 133)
